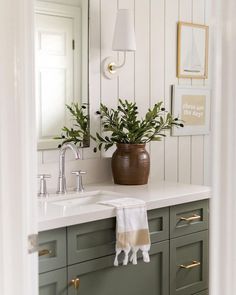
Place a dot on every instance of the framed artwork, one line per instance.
(193, 42)
(192, 105)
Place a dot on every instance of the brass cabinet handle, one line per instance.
(191, 218)
(44, 252)
(75, 283)
(192, 265)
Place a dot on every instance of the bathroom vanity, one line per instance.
(77, 244)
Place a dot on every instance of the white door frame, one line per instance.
(18, 157)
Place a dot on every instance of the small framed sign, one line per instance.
(192, 51)
(192, 105)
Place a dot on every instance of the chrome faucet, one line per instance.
(61, 189)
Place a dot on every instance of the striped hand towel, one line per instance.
(132, 233)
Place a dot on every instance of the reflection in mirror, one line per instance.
(61, 62)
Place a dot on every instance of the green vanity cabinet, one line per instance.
(53, 282)
(100, 277)
(79, 259)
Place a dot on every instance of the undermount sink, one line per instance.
(85, 198)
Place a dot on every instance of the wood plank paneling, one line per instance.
(157, 82)
(207, 82)
(142, 30)
(109, 88)
(108, 18)
(208, 22)
(171, 143)
(197, 168)
(199, 11)
(197, 165)
(142, 56)
(184, 170)
(184, 167)
(198, 17)
(185, 15)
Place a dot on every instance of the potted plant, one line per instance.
(130, 133)
(79, 132)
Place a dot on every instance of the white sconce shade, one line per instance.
(123, 40)
(124, 35)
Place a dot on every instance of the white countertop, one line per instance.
(156, 195)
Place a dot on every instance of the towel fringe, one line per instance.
(146, 257)
(118, 251)
(133, 258)
(126, 259)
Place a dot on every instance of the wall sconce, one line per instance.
(123, 40)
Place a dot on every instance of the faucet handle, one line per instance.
(79, 175)
(43, 185)
(42, 176)
(79, 172)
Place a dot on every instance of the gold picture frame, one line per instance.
(192, 57)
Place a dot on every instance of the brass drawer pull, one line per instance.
(44, 252)
(192, 265)
(75, 283)
(191, 218)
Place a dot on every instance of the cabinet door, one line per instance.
(100, 277)
(189, 264)
(53, 282)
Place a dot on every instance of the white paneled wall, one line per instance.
(146, 78)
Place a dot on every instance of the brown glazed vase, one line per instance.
(130, 164)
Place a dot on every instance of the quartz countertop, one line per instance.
(156, 195)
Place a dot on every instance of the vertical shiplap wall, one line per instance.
(150, 72)
(146, 78)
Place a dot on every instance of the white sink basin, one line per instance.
(83, 199)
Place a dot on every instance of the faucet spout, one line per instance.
(62, 179)
(71, 146)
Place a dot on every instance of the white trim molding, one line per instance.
(18, 211)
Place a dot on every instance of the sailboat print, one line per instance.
(192, 62)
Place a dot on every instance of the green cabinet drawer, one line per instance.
(100, 277)
(189, 264)
(97, 239)
(53, 282)
(158, 221)
(91, 240)
(188, 218)
(52, 249)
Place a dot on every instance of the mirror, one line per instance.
(61, 63)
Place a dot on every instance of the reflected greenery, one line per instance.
(79, 132)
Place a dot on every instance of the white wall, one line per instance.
(146, 78)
